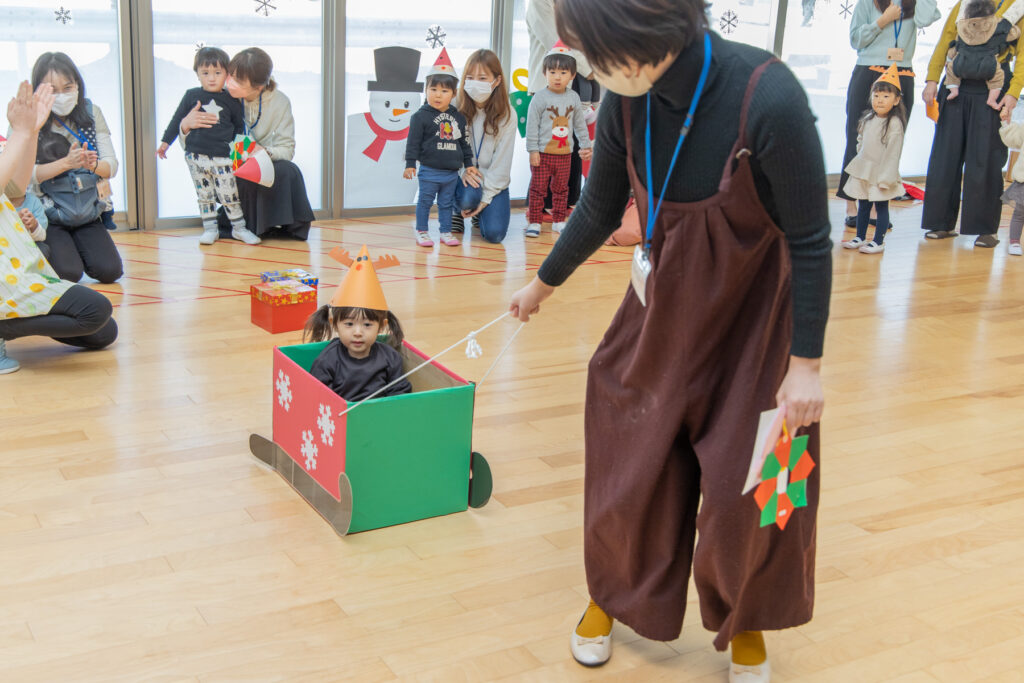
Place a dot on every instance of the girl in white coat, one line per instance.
(875, 171)
(1013, 136)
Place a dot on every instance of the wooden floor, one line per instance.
(139, 540)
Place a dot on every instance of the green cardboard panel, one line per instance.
(304, 354)
(407, 457)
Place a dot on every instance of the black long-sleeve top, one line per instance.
(787, 164)
(356, 378)
(216, 140)
(438, 139)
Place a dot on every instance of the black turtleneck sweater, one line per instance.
(787, 163)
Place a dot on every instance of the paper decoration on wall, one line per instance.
(375, 149)
(63, 15)
(520, 99)
(727, 23)
(779, 468)
(435, 36)
(264, 7)
(846, 8)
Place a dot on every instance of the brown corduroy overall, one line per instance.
(674, 392)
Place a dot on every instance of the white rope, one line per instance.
(471, 348)
(502, 353)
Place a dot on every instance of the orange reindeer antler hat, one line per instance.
(361, 288)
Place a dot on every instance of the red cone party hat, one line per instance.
(258, 169)
(559, 48)
(443, 65)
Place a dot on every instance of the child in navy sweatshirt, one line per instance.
(208, 150)
(438, 140)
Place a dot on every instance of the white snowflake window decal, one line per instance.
(325, 422)
(309, 449)
(284, 391)
(727, 23)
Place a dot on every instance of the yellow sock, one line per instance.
(748, 648)
(594, 622)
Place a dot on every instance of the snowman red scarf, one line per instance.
(376, 147)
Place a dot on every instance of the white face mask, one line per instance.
(480, 91)
(628, 86)
(65, 102)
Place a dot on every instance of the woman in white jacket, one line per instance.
(483, 100)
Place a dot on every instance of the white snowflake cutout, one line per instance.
(309, 449)
(284, 391)
(326, 424)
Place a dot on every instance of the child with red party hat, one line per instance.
(438, 140)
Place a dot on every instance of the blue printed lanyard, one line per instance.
(78, 136)
(652, 216)
(480, 146)
(896, 28)
(259, 115)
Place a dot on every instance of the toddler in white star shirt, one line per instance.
(208, 149)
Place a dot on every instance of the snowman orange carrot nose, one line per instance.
(399, 112)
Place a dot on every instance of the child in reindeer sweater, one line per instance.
(548, 141)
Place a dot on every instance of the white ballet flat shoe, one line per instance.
(590, 651)
(738, 673)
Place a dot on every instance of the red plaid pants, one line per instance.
(553, 169)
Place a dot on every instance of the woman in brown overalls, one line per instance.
(736, 279)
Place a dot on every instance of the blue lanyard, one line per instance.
(78, 136)
(259, 115)
(652, 216)
(480, 146)
(896, 28)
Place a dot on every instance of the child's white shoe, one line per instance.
(7, 364)
(871, 247)
(245, 235)
(853, 243)
(209, 235)
(558, 227)
(423, 238)
(449, 240)
(533, 230)
(738, 673)
(1014, 249)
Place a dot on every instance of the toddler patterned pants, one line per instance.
(214, 183)
(553, 169)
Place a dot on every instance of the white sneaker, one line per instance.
(1014, 249)
(210, 235)
(853, 243)
(533, 230)
(558, 227)
(872, 247)
(738, 673)
(245, 235)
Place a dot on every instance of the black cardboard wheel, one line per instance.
(480, 481)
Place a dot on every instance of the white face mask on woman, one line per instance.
(627, 86)
(480, 91)
(64, 103)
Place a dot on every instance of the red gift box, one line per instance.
(282, 306)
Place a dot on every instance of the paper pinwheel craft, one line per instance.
(783, 486)
(241, 148)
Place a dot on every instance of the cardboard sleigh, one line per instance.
(389, 461)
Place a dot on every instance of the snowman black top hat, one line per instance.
(396, 69)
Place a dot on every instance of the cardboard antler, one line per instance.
(386, 261)
(341, 256)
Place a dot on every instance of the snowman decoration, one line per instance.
(375, 150)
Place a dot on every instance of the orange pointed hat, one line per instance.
(361, 288)
(891, 76)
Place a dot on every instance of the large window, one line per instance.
(290, 33)
(88, 33)
(390, 45)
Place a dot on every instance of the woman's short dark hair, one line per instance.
(211, 56)
(60, 63)
(253, 65)
(443, 81)
(559, 60)
(610, 32)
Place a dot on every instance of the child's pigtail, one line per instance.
(395, 334)
(318, 326)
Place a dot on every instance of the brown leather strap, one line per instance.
(755, 78)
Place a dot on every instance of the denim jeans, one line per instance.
(436, 183)
(494, 218)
